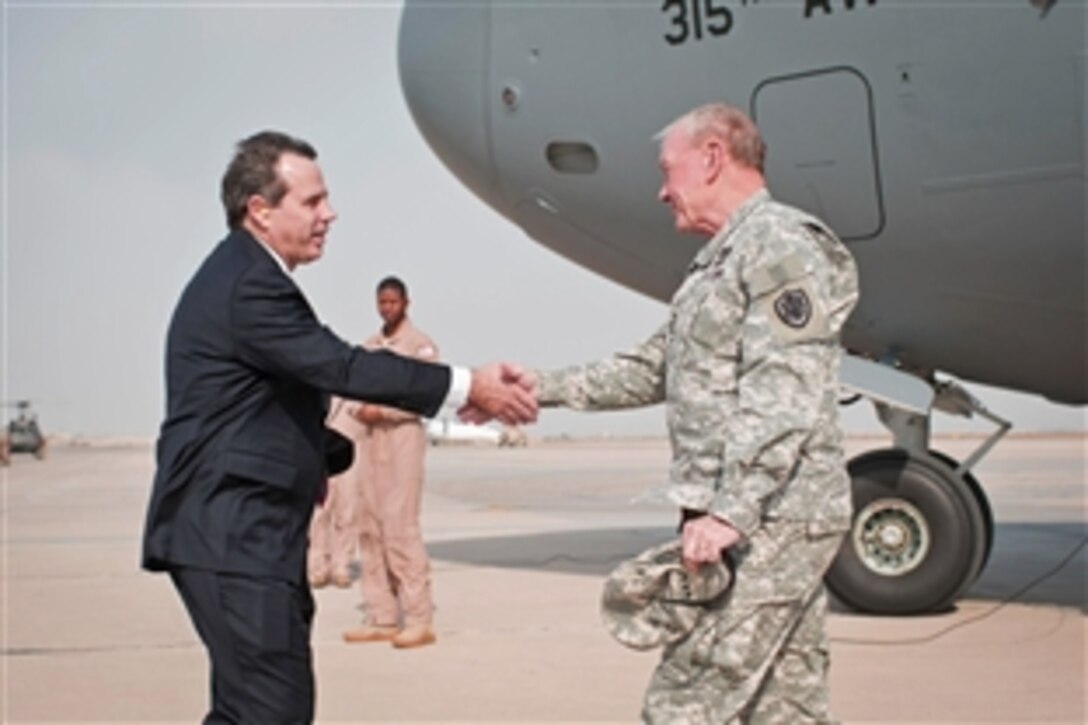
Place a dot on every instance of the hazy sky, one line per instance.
(119, 120)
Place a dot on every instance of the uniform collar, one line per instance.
(721, 241)
(404, 329)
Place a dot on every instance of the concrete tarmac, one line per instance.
(520, 541)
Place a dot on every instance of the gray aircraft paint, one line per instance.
(946, 142)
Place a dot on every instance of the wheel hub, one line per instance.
(891, 537)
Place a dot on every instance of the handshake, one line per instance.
(501, 390)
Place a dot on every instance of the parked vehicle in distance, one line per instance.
(444, 431)
(24, 435)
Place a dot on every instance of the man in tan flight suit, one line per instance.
(396, 571)
(334, 529)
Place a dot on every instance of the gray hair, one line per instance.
(725, 122)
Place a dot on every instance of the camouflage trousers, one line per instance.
(761, 655)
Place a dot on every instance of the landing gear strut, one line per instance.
(922, 529)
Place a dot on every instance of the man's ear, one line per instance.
(714, 158)
(258, 209)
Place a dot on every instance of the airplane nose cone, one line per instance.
(443, 61)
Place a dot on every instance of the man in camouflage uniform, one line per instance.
(747, 366)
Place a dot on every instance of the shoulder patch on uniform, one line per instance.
(793, 307)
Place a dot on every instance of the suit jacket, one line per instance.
(241, 453)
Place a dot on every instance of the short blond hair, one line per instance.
(728, 123)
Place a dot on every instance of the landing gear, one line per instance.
(922, 529)
(919, 536)
(968, 479)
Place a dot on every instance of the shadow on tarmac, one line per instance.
(593, 552)
(1031, 563)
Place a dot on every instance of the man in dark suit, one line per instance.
(241, 454)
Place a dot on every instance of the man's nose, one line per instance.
(330, 213)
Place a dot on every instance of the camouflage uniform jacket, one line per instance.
(748, 368)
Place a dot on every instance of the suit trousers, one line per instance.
(257, 633)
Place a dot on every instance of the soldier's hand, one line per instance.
(703, 540)
(527, 379)
(498, 391)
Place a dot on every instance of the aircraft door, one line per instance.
(821, 147)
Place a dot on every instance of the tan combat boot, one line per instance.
(370, 633)
(414, 635)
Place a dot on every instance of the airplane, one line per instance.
(448, 430)
(946, 143)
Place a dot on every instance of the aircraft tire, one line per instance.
(916, 539)
(985, 512)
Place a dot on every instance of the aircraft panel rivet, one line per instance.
(510, 97)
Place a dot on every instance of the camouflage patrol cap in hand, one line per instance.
(652, 600)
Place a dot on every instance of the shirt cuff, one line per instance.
(460, 383)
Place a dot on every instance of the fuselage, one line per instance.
(946, 144)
